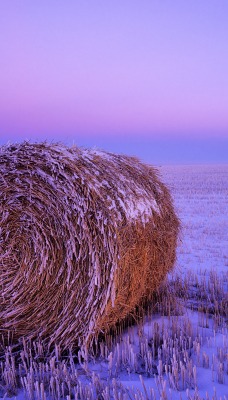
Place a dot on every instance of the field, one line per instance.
(179, 349)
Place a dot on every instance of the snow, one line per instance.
(200, 194)
(137, 204)
(100, 153)
(138, 209)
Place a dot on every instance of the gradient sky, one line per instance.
(146, 77)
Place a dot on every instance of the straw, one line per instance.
(85, 237)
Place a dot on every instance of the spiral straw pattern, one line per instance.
(85, 236)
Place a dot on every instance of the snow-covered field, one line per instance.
(180, 352)
(200, 193)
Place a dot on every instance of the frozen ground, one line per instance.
(184, 353)
(200, 193)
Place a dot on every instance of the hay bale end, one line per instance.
(85, 237)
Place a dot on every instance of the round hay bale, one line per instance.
(85, 237)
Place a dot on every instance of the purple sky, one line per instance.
(142, 77)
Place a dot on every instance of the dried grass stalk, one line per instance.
(85, 236)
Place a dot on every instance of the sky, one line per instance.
(147, 77)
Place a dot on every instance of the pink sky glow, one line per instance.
(111, 68)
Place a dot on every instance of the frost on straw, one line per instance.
(85, 237)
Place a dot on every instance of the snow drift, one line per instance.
(85, 237)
